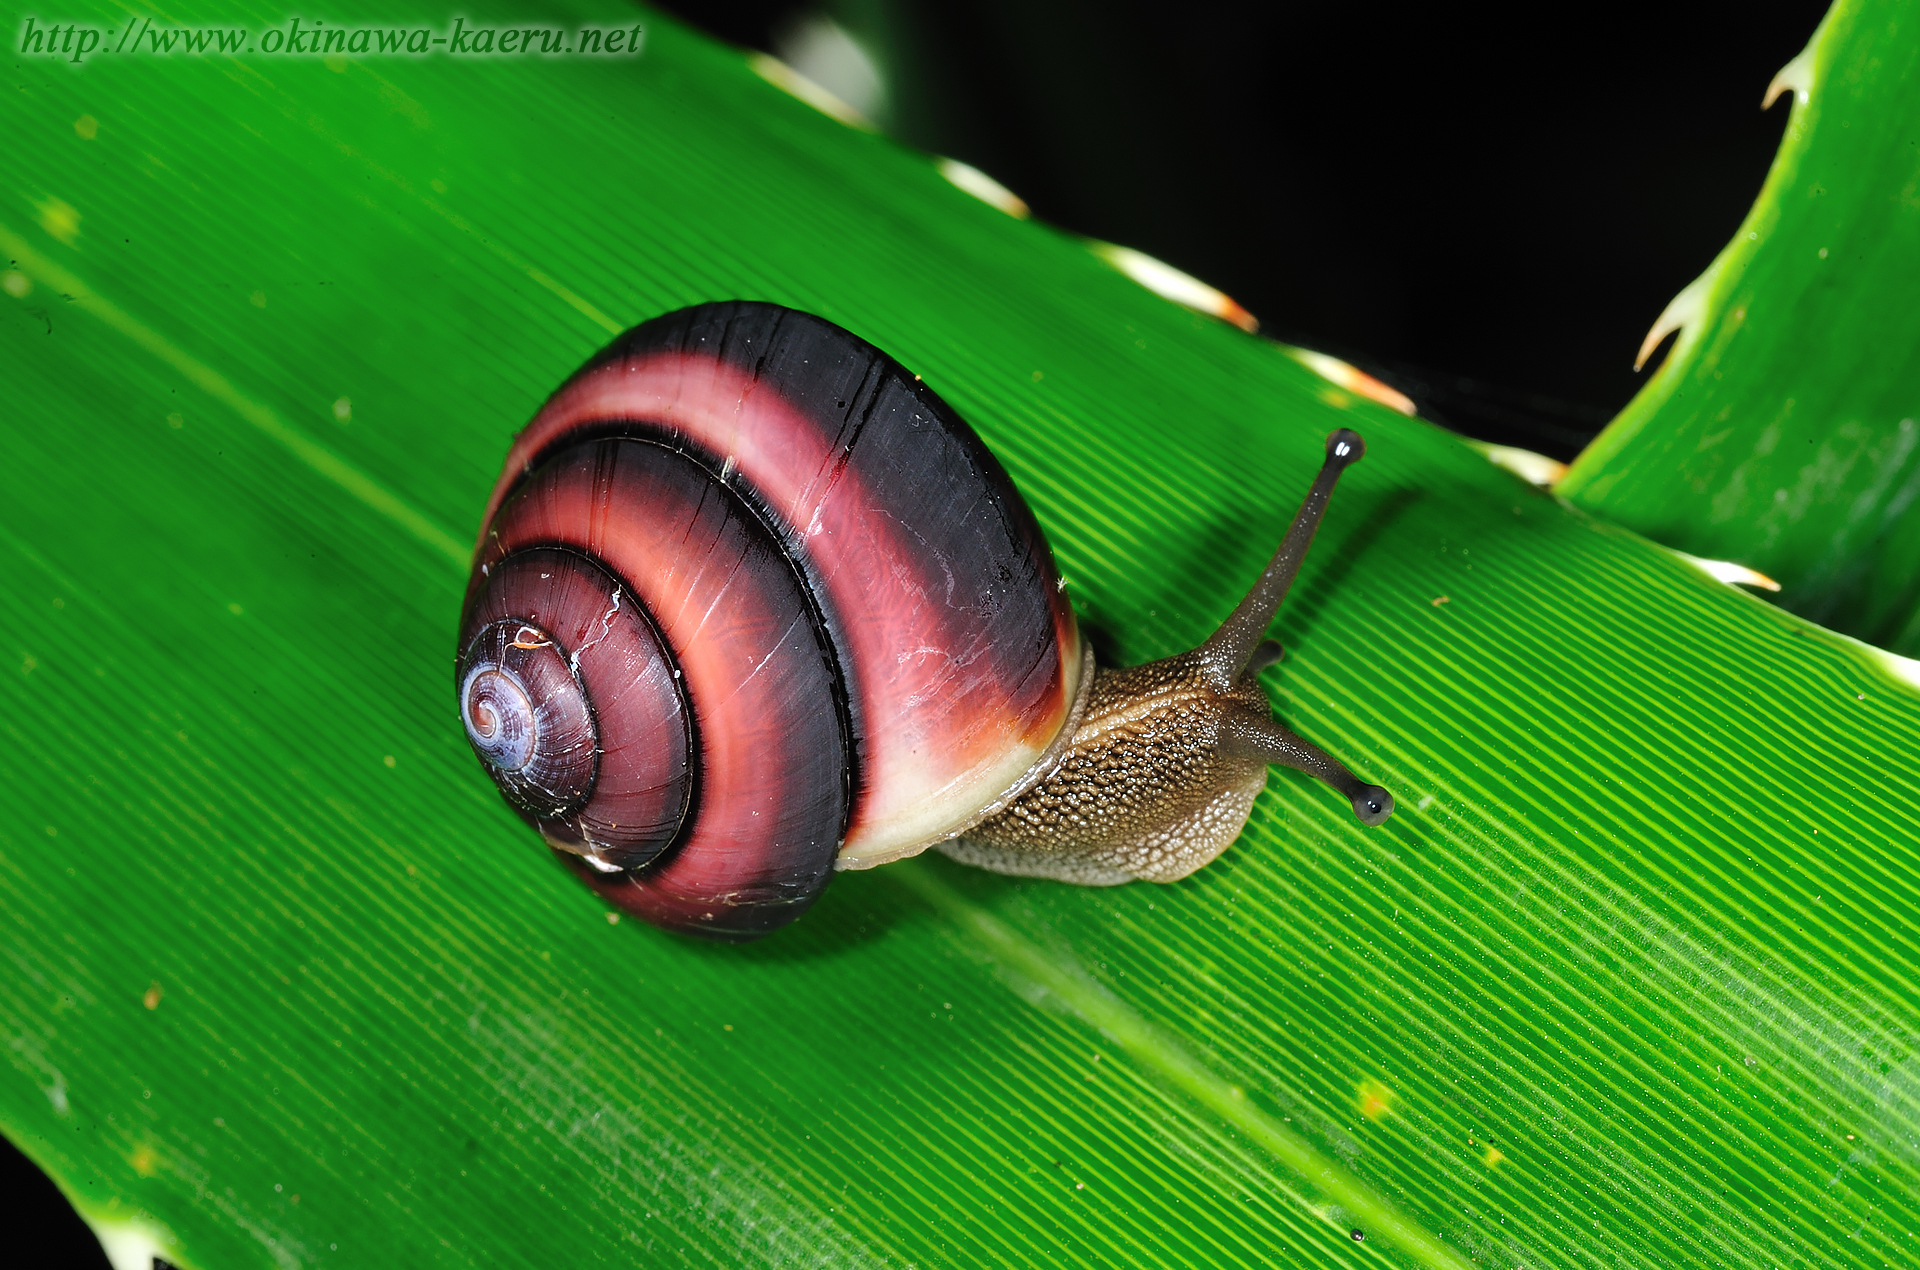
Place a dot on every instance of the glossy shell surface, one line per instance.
(851, 599)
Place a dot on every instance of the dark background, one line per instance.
(1487, 205)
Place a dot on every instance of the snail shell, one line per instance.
(804, 607)
(751, 603)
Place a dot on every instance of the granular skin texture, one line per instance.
(1142, 792)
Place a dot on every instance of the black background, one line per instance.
(1487, 204)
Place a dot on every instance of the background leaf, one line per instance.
(1629, 976)
(1781, 431)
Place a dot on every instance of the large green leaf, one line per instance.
(1781, 431)
(1629, 978)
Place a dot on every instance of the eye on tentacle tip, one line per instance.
(1373, 805)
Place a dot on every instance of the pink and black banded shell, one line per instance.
(751, 602)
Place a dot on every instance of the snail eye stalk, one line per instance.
(1231, 651)
(1240, 649)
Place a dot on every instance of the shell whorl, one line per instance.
(526, 713)
(591, 731)
(857, 637)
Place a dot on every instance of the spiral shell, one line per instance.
(750, 603)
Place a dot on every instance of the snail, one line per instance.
(751, 604)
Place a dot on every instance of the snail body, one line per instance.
(751, 603)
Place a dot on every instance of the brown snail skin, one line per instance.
(751, 604)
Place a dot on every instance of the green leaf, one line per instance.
(1781, 431)
(1630, 976)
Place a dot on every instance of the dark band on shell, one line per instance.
(857, 633)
